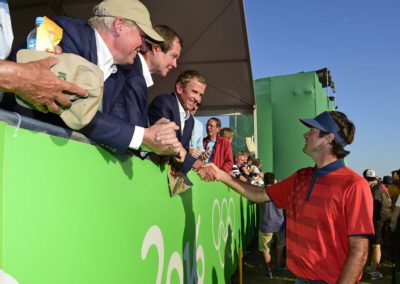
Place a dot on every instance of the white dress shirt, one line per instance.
(146, 71)
(183, 114)
(105, 60)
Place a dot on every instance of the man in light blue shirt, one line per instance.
(213, 127)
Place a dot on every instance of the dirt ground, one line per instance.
(253, 269)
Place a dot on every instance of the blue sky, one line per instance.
(359, 41)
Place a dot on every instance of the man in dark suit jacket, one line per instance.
(115, 35)
(189, 88)
(158, 58)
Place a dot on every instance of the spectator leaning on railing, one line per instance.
(189, 88)
(158, 58)
(112, 38)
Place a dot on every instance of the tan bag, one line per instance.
(77, 70)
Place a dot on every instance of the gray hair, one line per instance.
(101, 23)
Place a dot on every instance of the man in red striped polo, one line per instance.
(329, 207)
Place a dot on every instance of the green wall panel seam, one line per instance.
(2, 139)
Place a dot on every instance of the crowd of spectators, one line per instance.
(120, 40)
(386, 206)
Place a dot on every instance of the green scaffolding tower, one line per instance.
(280, 102)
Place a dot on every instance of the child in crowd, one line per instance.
(255, 174)
(227, 133)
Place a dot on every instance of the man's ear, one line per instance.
(179, 88)
(155, 48)
(118, 25)
(329, 138)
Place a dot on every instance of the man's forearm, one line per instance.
(355, 261)
(254, 193)
(242, 178)
(8, 75)
(35, 83)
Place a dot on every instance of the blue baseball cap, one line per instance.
(325, 123)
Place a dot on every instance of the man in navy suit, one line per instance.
(158, 58)
(113, 37)
(162, 57)
(189, 89)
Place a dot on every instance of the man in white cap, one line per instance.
(113, 37)
(328, 207)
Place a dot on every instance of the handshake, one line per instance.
(207, 171)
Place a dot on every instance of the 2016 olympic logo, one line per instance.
(223, 218)
(155, 238)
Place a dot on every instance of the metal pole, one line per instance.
(240, 266)
(255, 130)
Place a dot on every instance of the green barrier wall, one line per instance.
(281, 101)
(74, 213)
